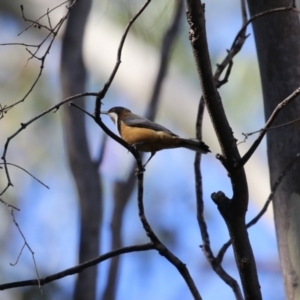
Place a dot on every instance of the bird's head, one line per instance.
(116, 113)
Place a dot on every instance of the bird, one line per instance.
(148, 136)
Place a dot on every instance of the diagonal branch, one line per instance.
(158, 245)
(23, 126)
(103, 92)
(263, 131)
(77, 269)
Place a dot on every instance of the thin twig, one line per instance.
(263, 131)
(52, 32)
(206, 248)
(103, 92)
(9, 205)
(31, 251)
(11, 164)
(235, 48)
(24, 125)
(20, 253)
(42, 16)
(99, 159)
(246, 135)
(241, 36)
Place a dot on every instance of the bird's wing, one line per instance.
(137, 121)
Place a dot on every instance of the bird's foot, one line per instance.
(138, 171)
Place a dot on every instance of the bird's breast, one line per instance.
(147, 140)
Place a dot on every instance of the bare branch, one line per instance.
(20, 253)
(103, 92)
(228, 208)
(234, 49)
(263, 131)
(241, 37)
(52, 32)
(244, 11)
(246, 135)
(37, 21)
(77, 269)
(9, 205)
(287, 167)
(10, 164)
(158, 245)
(216, 265)
(123, 190)
(24, 125)
(29, 248)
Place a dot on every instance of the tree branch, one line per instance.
(23, 126)
(123, 189)
(215, 264)
(77, 269)
(103, 92)
(288, 166)
(263, 131)
(233, 210)
(52, 34)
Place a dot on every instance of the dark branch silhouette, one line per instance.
(263, 131)
(123, 189)
(288, 166)
(23, 126)
(246, 135)
(206, 248)
(103, 92)
(77, 269)
(237, 206)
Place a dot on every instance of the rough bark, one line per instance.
(278, 49)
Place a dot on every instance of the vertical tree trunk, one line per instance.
(277, 37)
(85, 171)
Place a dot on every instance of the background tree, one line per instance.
(277, 43)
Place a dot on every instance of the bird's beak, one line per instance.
(104, 112)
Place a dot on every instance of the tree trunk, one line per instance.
(85, 171)
(277, 37)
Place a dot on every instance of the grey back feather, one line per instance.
(137, 121)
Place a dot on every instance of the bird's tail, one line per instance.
(195, 145)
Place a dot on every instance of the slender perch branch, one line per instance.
(78, 268)
(206, 248)
(233, 210)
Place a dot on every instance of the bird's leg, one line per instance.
(152, 154)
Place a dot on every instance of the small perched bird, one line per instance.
(147, 136)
